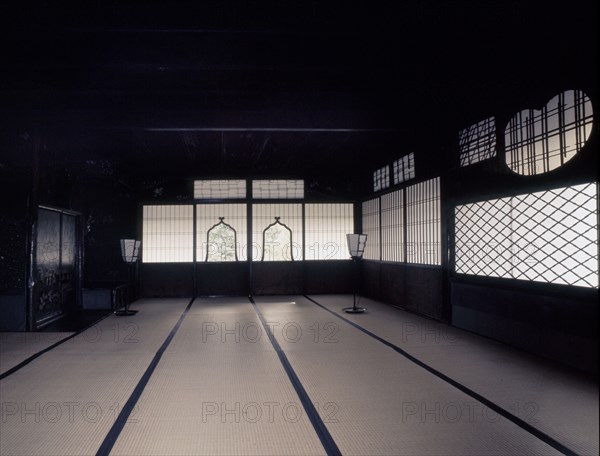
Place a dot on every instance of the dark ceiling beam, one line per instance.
(271, 129)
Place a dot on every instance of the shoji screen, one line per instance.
(168, 234)
(423, 225)
(326, 228)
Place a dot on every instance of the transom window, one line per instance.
(477, 142)
(381, 178)
(404, 168)
(278, 189)
(220, 189)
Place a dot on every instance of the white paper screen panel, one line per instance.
(326, 227)
(392, 226)
(168, 234)
(423, 223)
(370, 227)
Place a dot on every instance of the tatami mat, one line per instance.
(553, 399)
(219, 389)
(16, 347)
(377, 402)
(65, 401)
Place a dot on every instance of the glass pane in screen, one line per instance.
(264, 215)
(208, 215)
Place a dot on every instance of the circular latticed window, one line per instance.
(538, 141)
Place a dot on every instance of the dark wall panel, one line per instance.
(12, 312)
(393, 284)
(166, 280)
(322, 277)
(13, 259)
(216, 279)
(231, 279)
(371, 279)
(13, 248)
(278, 277)
(424, 290)
(413, 287)
(562, 328)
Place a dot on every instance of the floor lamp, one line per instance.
(130, 249)
(356, 247)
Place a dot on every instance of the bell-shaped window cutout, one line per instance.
(277, 242)
(221, 242)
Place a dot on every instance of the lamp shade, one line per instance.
(356, 244)
(130, 249)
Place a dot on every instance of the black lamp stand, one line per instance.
(355, 309)
(125, 312)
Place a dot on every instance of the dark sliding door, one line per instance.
(55, 265)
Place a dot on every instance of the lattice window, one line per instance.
(207, 215)
(540, 141)
(326, 226)
(278, 189)
(549, 236)
(370, 227)
(220, 189)
(483, 238)
(168, 234)
(477, 142)
(289, 215)
(423, 227)
(392, 226)
(381, 178)
(404, 168)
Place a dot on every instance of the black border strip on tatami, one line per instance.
(112, 436)
(25, 362)
(496, 408)
(325, 437)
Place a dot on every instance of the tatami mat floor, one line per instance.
(286, 375)
(16, 347)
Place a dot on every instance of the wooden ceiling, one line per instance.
(287, 88)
